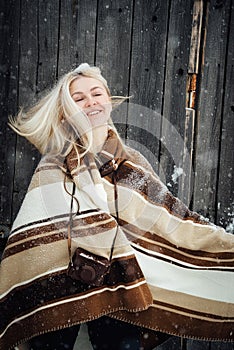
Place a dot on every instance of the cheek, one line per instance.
(80, 104)
(107, 103)
(109, 107)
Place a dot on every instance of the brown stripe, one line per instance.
(50, 287)
(94, 217)
(43, 177)
(69, 314)
(75, 312)
(35, 231)
(34, 242)
(38, 222)
(191, 302)
(46, 235)
(47, 167)
(90, 166)
(151, 189)
(154, 318)
(97, 216)
(209, 265)
(200, 315)
(55, 257)
(187, 326)
(162, 246)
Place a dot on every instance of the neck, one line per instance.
(99, 137)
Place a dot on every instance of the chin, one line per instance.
(99, 122)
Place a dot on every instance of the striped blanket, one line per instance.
(171, 270)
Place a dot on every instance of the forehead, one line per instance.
(85, 84)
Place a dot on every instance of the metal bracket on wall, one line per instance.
(196, 44)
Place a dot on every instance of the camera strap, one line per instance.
(116, 167)
(113, 168)
(70, 220)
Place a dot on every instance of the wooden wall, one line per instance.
(152, 50)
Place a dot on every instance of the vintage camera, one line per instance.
(88, 268)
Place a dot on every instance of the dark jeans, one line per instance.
(105, 333)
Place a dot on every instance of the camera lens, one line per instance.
(87, 273)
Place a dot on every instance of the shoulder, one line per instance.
(52, 162)
(138, 158)
(50, 170)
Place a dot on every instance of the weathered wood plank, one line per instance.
(210, 108)
(9, 55)
(221, 346)
(195, 46)
(77, 34)
(25, 159)
(38, 61)
(114, 26)
(114, 21)
(149, 40)
(185, 181)
(197, 345)
(48, 27)
(174, 109)
(173, 343)
(225, 193)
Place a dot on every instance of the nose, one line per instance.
(90, 101)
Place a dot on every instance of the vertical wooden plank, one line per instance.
(225, 194)
(210, 107)
(149, 40)
(221, 346)
(113, 43)
(173, 343)
(196, 44)
(174, 111)
(113, 50)
(38, 63)
(148, 53)
(48, 31)
(25, 157)
(197, 345)
(185, 181)
(9, 55)
(77, 34)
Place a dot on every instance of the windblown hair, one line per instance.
(55, 124)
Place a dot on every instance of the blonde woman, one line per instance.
(100, 240)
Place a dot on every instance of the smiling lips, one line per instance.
(93, 112)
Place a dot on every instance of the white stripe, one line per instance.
(39, 224)
(154, 211)
(155, 218)
(95, 224)
(56, 220)
(51, 200)
(180, 262)
(71, 300)
(107, 153)
(213, 285)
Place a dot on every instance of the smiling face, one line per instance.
(91, 96)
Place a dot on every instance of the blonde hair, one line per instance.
(55, 123)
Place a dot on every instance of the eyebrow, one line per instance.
(80, 92)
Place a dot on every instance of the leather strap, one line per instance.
(111, 167)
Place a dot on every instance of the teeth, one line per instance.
(94, 112)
